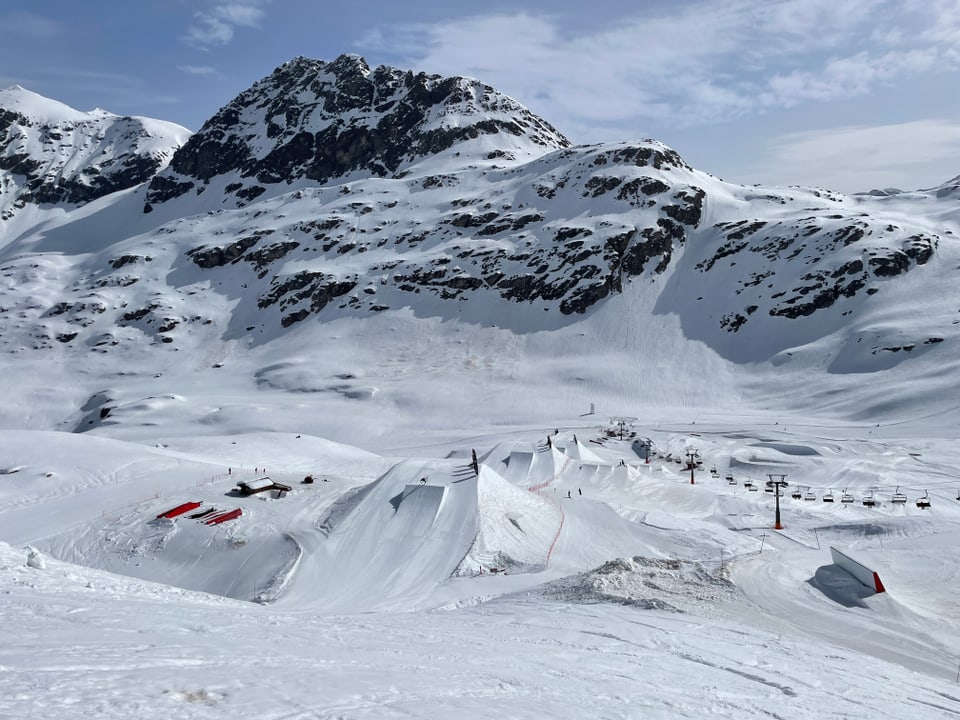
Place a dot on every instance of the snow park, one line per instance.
(463, 420)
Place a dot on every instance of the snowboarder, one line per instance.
(568, 493)
(579, 491)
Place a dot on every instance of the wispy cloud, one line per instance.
(217, 25)
(202, 70)
(31, 25)
(687, 64)
(841, 157)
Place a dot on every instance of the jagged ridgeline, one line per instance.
(326, 121)
(330, 190)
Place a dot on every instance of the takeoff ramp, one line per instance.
(518, 466)
(391, 550)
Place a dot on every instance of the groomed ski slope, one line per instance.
(372, 602)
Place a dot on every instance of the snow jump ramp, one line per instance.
(518, 466)
(394, 548)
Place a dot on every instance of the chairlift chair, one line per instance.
(924, 502)
(898, 497)
(869, 500)
(731, 481)
(810, 495)
(714, 472)
(768, 487)
(796, 494)
(748, 484)
(828, 497)
(846, 497)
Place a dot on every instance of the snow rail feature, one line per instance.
(224, 517)
(179, 510)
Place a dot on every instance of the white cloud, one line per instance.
(687, 64)
(859, 158)
(216, 26)
(31, 25)
(239, 14)
(197, 69)
(208, 31)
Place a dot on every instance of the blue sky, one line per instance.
(848, 94)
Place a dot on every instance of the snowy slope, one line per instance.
(707, 610)
(51, 154)
(463, 284)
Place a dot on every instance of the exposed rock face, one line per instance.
(321, 121)
(335, 190)
(570, 265)
(841, 248)
(52, 154)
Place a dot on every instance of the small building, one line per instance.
(252, 487)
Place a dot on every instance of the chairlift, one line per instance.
(748, 484)
(898, 497)
(768, 487)
(810, 494)
(828, 496)
(796, 494)
(846, 497)
(731, 481)
(714, 472)
(869, 500)
(924, 502)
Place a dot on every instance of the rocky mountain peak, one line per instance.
(321, 121)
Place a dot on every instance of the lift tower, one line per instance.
(778, 482)
(692, 457)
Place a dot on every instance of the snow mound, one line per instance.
(648, 583)
(35, 559)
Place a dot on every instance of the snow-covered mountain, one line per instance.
(317, 122)
(431, 320)
(51, 154)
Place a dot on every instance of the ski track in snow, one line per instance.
(371, 618)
